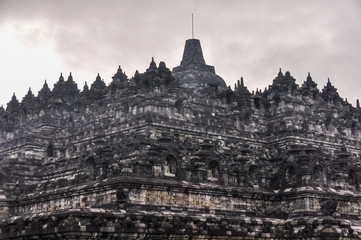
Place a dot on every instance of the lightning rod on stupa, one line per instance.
(192, 27)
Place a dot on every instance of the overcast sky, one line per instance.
(253, 39)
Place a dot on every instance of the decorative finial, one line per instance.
(309, 74)
(242, 83)
(70, 78)
(235, 87)
(85, 88)
(152, 65)
(328, 80)
(98, 78)
(61, 78)
(238, 83)
(357, 103)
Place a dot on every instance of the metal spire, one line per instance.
(192, 27)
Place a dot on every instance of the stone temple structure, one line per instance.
(178, 155)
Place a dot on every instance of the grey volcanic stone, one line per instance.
(193, 71)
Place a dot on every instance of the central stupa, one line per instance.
(193, 71)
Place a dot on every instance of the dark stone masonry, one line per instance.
(179, 155)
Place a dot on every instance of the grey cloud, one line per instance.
(249, 38)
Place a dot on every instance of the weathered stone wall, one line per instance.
(94, 224)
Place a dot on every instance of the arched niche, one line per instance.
(147, 86)
(90, 170)
(352, 178)
(179, 106)
(170, 166)
(213, 172)
(50, 150)
(290, 175)
(253, 175)
(318, 174)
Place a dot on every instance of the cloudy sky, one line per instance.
(39, 39)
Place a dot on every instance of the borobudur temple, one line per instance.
(179, 155)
